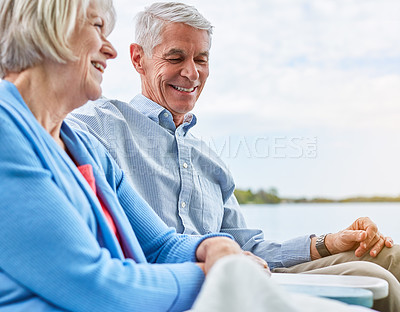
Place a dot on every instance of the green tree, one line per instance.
(267, 197)
(244, 196)
(261, 197)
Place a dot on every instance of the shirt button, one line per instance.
(183, 204)
(185, 165)
(165, 115)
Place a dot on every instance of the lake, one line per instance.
(284, 221)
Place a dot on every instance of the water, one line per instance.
(284, 221)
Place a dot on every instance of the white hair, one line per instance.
(33, 30)
(151, 21)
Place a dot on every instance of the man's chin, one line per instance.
(183, 108)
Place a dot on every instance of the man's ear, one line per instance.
(137, 55)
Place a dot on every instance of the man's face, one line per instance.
(177, 72)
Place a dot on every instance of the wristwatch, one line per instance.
(321, 247)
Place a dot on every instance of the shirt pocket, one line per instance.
(212, 205)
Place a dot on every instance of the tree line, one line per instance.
(260, 197)
(271, 196)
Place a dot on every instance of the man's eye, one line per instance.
(174, 60)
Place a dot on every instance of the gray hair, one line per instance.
(34, 30)
(151, 21)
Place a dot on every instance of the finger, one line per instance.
(366, 224)
(374, 247)
(389, 242)
(257, 259)
(368, 243)
(359, 252)
(377, 247)
(364, 246)
(372, 232)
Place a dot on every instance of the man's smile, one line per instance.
(184, 89)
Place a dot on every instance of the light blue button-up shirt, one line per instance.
(182, 179)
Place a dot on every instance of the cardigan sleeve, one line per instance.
(49, 247)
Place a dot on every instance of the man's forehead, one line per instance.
(178, 37)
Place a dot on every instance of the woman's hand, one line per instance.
(214, 248)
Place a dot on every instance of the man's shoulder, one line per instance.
(104, 111)
(106, 118)
(105, 106)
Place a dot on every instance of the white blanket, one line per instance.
(237, 284)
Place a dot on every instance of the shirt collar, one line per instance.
(160, 115)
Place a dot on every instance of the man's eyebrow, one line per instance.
(173, 51)
(179, 51)
(205, 53)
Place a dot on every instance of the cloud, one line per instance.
(331, 63)
(330, 69)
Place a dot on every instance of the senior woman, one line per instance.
(73, 234)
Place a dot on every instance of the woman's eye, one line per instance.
(98, 23)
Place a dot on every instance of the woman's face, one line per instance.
(88, 42)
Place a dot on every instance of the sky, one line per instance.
(303, 95)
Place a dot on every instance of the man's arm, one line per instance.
(361, 236)
(277, 254)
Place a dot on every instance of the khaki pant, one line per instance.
(386, 265)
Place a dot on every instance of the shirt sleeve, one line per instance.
(285, 254)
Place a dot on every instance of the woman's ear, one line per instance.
(137, 56)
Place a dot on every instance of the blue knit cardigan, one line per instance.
(57, 251)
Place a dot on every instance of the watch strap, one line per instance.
(321, 247)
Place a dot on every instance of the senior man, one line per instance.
(184, 181)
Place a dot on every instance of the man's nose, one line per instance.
(190, 70)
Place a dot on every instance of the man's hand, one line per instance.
(258, 260)
(362, 236)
